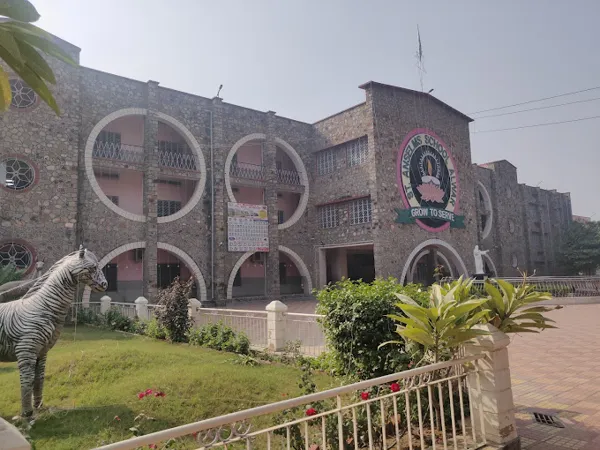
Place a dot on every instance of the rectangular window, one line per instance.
(280, 216)
(328, 216)
(110, 272)
(109, 136)
(166, 273)
(360, 211)
(357, 151)
(175, 147)
(326, 161)
(167, 207)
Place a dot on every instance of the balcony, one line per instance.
(287, 176)
(119, 152)
(176, 160)
(247, 171)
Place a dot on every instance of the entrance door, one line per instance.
(361, 266)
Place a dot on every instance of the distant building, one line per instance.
(161, 183)
(581, 219)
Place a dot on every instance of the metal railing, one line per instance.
(127, 309)
(177, 160)
(307, 331)
(252, 323)
(556, 286)
(78, 308)
(287, 176)
(119, 152)
(437, 406)
(247, 170)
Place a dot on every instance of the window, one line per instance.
(237, 281)
(167, 207)
(22, 95)
(280, 216)
(360, 211)
(110, 137)
(328, 216)
(357, 151)
(110, 272)
(15, 254)
(16, 174)
(107, 175)
(175, 147)
(114, 199)
(326, 161)
(257, 258)
(107, 145)
(166, 273)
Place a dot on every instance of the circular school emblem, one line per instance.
(428, 182)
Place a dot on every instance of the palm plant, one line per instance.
(10, 273)
(20, 44)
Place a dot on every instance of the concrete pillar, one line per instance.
(322, 255)
(270, 167)
(141, 308)
(104, 304)
(276, 325)
(150, 196)
(491, 391)
(11, 438)
(194, 306)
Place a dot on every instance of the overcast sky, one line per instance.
(304, 59)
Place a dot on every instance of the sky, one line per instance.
(305, 59)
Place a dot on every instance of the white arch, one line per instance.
(190, 140)
(298, 163)
(423, 253)
(488, 259)
(486, 199)
(289, 252)
(433, 243)
(189, 262)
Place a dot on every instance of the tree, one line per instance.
(20, 47)
(581, 248)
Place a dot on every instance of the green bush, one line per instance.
(155, 330)
(355, 323)
(172, 310)
(86, 316)
(114, 320)
(219, 337)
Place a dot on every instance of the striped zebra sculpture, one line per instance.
(30, 326)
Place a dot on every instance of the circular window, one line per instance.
(22, 95)
(16, 254)
(511, 226)
(515, 261)
(16, 174)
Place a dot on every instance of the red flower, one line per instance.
(195, 434)
(364, 395)
(159, 394)
(117, 418)
(410, 364)
(395, 387)
(311, 411)
(141, 395)
(152, 446)
(148, 391)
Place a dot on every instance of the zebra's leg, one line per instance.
(38, 382)
(26, 362)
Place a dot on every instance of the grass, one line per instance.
(94, 375)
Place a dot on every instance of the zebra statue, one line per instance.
(30, 326)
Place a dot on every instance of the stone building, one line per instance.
(161, 183)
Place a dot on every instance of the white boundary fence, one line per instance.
(473, 393)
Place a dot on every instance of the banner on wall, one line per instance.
(247, 228)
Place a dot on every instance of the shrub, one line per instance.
(172, 310)
(220, 337)
(114, 320)
(89, 317)
(155, 330)
(355, 323)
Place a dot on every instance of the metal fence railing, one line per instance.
(252, 323)
(307, 331)
(287, 176)
(120, 152)
(247, 170)
(127, 309)
(556, 286)
(177, 160)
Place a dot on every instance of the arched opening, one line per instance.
(250, 276)
(489, 267)
(432, 260)
(485, 210)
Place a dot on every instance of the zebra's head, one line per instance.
(85, 270)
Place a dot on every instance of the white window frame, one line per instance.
(357, 151)
(360, 211)
(171, 207)
(328, 216)
(326, 161)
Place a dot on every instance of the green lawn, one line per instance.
(94, 375)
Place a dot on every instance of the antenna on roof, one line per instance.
(219, 91)
(420, 59)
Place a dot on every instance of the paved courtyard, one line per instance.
(557, 372)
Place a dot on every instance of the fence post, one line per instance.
(276, 325)
(141, 308)
(491, 391)
(194, 306)
(104, 304)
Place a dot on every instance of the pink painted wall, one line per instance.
(284, 159)
(165, 257)
(252, 270)
(292, 270)
(130, 270)
(128, 188)
(250, 153)
(181, 193)
(288, 202)
(166, 133)
(251, 195)
(131, 129)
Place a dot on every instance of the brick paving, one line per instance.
(557, 372)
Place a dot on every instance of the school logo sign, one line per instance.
(428, 183)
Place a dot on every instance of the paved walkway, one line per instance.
(557, 372)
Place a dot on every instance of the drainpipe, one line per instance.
(212, 212)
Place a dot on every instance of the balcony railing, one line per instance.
(176, 160)
(247, 170)
(119, 152)
(286, 176)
